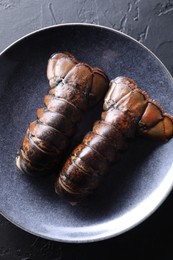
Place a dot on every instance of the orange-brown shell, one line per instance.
(127, 111)
(74, 88)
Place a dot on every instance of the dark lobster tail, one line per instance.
(127, 111)
(74, 87)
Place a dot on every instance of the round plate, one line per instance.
(136, 185)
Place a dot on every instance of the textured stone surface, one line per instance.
(150, 22)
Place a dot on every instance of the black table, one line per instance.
(150, 22)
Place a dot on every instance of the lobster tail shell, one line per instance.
(127, 111)
(155, 124)
(58, 66)
(72, 83)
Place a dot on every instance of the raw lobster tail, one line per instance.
(127, 111)
(74, 87)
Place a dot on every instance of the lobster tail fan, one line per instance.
(155, 124)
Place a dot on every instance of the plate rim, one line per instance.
(85, 25)
(101, 237)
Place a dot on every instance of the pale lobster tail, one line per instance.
(155, 124)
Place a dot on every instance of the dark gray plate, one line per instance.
(136, 186)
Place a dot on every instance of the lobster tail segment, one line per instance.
(119, 87)
(100, 84)
(155, 124)
(58, 66)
